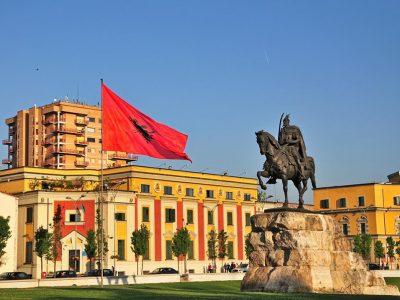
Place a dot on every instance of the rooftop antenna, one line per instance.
(77, 90)
(224, 172)
(163, 164)
(202, 171)
(184, 166)
(243, 173)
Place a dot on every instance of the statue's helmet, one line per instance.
(286, 120)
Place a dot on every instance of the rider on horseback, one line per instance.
(291, 138)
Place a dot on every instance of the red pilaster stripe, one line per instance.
(239, 231)
(220, 217)
(157, 229)
(179, 207)
(200, 230)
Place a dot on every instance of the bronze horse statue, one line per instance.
(280, 164)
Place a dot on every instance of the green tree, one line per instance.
(43, 241)
(56, 237)
(91, 247)
(101, 238)
(248, 248)
(181, 245)
(362, 245)
(379, 251)
(5, 234)
(390, 249)
(398, 251)
(139, 244)
(222, 251)
(212, 246)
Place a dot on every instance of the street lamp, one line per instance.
(76, 224)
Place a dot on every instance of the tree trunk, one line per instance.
(54, 267)
(142, 265)
(137, 264)
(178, 264)
(41, 266)
(184, 262)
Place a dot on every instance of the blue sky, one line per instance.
(221, 70)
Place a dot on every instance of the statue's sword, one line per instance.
(279, 131)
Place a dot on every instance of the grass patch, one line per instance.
(164, 291)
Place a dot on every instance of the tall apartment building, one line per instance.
(60, 135)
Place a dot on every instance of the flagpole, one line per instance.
(101, 190)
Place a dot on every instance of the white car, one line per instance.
(241, 269)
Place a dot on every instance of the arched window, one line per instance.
(345, 224)
(397, 225)
(362, 224)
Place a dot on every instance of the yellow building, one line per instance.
(372, 208)
(162, 199)
(60, 135)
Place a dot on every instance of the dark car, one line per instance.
(373, 267)
(65, 274)
(14, 276)
(164, 271)
(106, 272)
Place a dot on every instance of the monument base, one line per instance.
(306, 252)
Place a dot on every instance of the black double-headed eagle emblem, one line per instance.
(142, 129)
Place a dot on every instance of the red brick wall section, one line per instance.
(157, 229)
(179, 214)
(201, 236)
(239, 231)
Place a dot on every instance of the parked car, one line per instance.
(14, 276)
(65, 274)
(97, 272)
(164, 271)
(241, 269)
(373, 267)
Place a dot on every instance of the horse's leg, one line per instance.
(263, 174)
(301, 193)
(285, 189)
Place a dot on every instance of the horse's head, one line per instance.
(265, 140)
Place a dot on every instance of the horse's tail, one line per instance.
(311, 164)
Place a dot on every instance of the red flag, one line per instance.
(126, 129)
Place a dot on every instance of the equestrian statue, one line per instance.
(286, 159)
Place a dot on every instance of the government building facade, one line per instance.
(162, 199)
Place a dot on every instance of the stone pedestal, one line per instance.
(296, 251)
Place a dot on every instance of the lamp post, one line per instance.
(76, 224)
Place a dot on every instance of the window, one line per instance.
(210, 194)
(145, 188)
(28, 252)
(191, 250)
(120, 217)
(168, 249)
(167, 190)
(169, 215)
(342, 202)
(29, 214)
(247, 217)
(121, 249)
(189, 192)
(74, 218)
(145, 214)
(396, 200)
(229, 218)
(324, 203)
(92, 120)
(230, 250)
(91, 140)
(146, 255)
(363, 228)
(90, 130)
(210, 217)
(361, 201)
(345, 229)
(247, 197)
(229, 195)
(189, 217)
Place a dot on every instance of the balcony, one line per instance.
(11, 150)
(53, 162)
(81, 142)
(82, 163)
(127, 157)
(64, 129)
(65, 150)
(11, 130)
(7, 142)
(81, 121)
(52, 141)
(6, 161)
(53, 120)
